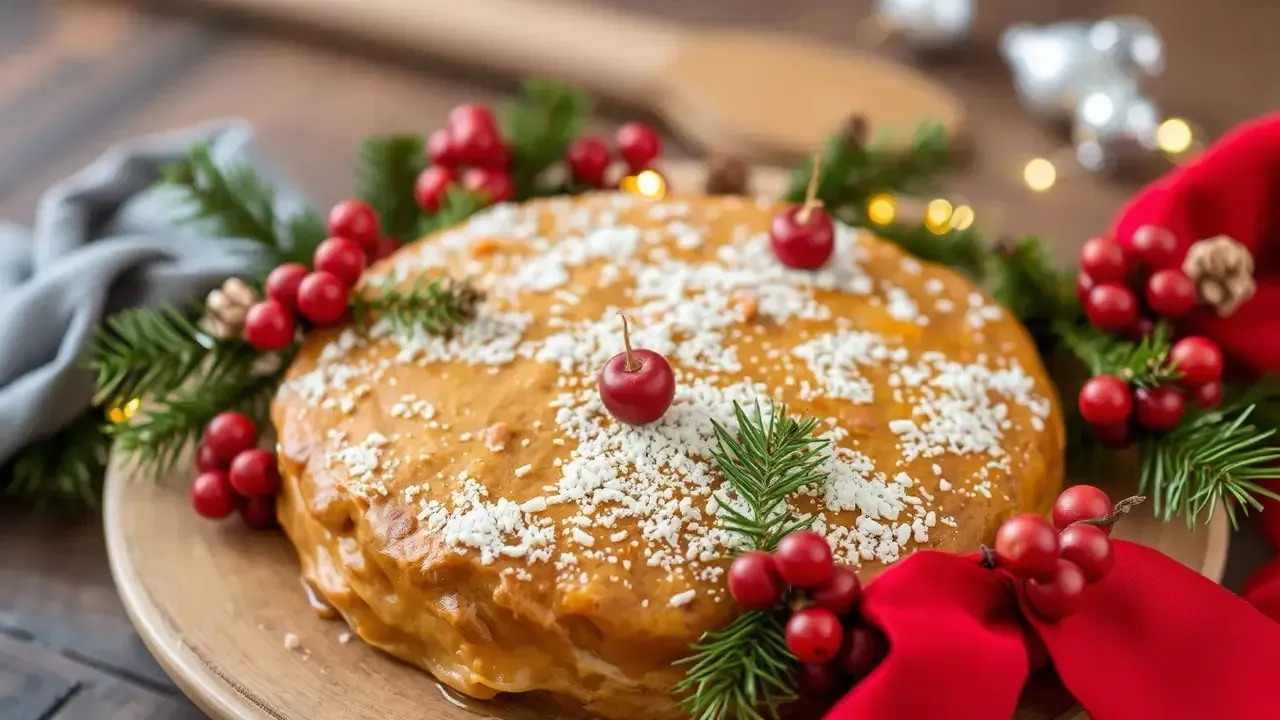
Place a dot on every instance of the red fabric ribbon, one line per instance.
(1153, 640)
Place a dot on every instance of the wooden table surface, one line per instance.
(77, 76)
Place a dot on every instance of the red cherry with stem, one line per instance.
(636, 386)
(1089, 548)
(1170, 293)
(355, 220)
(229, 434)
(817, 680)
(1105, 399)
(1111, 307)
(1027, 545)
(839, 593)
(323, 298)
(803, 236)
(588, 159)
(254, 472)
(1058, 595)
(754, 582)
(1207, 395)
(258, 512)
(212, 496)
(1115, 436)
(494, 185)
(1081, 502)
(1159, 409)
(431, 186)
(804, 559)
(1102, 259)
(639, 145)
(282, 283)
(1154, 247)
(864, 648)
(342, 257)
(269, 325)
(1199, 359)
(207, 459)
(1084, 284)
(814, 635)
(386, 248)
(440, 148)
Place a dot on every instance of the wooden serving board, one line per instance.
(214, 602)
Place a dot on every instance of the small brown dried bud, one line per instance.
(728, 175)
(855, 131)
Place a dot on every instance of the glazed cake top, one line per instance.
(491, 446)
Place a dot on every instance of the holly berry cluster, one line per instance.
(234, 474)
(1056, 562)
(1126, 291)
(821, 632)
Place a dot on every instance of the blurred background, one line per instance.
(77, 76)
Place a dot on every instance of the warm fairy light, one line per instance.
(1040, 174)
(1174, 136)
(962, 217)
(937, 216)
(648, 184)
(123, 412)
(882, 209)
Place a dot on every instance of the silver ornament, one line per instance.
(1114, 126)
(927, 24)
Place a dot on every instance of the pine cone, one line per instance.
(727, 175)
(1223, 272)
(226, 307)
(468, 296)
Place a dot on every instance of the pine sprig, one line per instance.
(389, 167)
(1031, 287)
(146, 351)
(64, 470)
(963, 249)
(852, 173)
(539, 127)
(433, 304)
(458, 205)
(742, 671)
(1142, 364)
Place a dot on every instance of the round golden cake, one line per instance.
(468, 505)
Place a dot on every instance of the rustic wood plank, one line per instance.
(28, 690)
(116, 700)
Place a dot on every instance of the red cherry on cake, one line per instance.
(803, 236)
(494, 186)
(1111, 307)
(839, 593)
(1170, 293)
(342, 257)
(814, 635)
(754, 582)
(1199, 359)
(430, 188)
(258, 512)
(1027, 545)
(1103, 260)
(636, 386)
(639, 145)
(588, 159)
(1159, 409)
(440, 148)
(1154, 247)
(254, 472)
(1207, 395)
(804, 559)
(1089, 548)
(229, 434)
(269, 326)
(207, 459)
(1081, 502)
(1115, 435)
(212, 496)
(862, 651)
(323, 298)
(1105, 399)
(282, 283)
(1059, 594)
(355, 220)
(817, 680)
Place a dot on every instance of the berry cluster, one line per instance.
(589, 159)
(234, 474)
(1111, 406)
(1057, 561)
(1125, 291)
(821, 632)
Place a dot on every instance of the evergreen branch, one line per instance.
(852, 173)
(306, 230)
(65, 469)
(434, 304)
(539, 127)
(457, 206)
(739, 670)
(389, 168)
(1142, 364)
(145, 351)
(1030, 286)
(962, 249)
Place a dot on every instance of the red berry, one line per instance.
(1102, 259)
(269, 325)
(1111, 307)
(1081, 502)
(440, 148)
(470, 116)
(207, 459)
(1027, 545)
(639, 145)
(754, 582)
(1154, 247)
(636, 386)
(494, 185)
(342, 257)
(355, 220)
(1207, 395)
(814, 635)
(282, 283)
(1159, 409)
(1112, 435)
(475, 137)
(1105, 399)
(254, 472)
(1084, 284)
(323, 298)
(1170, 293)
(802, 245)
(863, 650)
(258, 512)
(804, 559)
(1199, 359)
(430, 188)
(817, 680)
(1089, 548)
(588, 159)
(840, 592)
(211, 495)
(1059, 595)
(230, 434)
(385, 248)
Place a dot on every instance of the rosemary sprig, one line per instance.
(434, 304)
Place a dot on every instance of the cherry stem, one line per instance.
(811, 201)
(631, 364)
(1122, 508)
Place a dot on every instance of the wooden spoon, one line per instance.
(761, 95)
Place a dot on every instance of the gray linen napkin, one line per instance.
(106, 239)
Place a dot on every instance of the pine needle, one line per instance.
(1142, 364)
(962, 249)
(64, 470)
(742, 671)
(539, 127)
(389, 168)
(435, 305)
(145, 351)
(458, 205)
